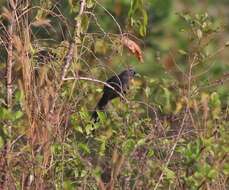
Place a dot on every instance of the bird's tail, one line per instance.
(99, 107)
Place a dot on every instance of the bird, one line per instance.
(120, 85)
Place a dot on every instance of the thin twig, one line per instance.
(187, 109)
(71, 50)
(70, 54)
(97, 81)
(119, 27)
(68, 60)
(173, 149)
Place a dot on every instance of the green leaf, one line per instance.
(150, 153)
(102, 116)
(84, 115)
(18, 115)
(215, 104)
(145, 17)
(89, 128)
(84, 147)
(1, 142)
(199, 34)
(142, 30)
(128, 146)
(67, 184)
(182, 52)
(138, 17)
(169, 173)
(99, 90)
(147, 91)
(78, 128)
(215, 100)
(4, 114)
(212, 174)
(84, 23)
(74, 8)
(167, 96)
(56, 148)
(83, 173)
(141, 142)
(96, 173)
(226, 169)
(102, 148)
(19, 96)
(90, 3)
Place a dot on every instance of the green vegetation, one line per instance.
(170, 132)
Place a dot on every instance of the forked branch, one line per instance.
(72, 45)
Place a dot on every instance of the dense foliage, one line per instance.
(171, 131)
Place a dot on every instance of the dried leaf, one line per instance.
(118, 8)
(204, 101)
(114, 156)
(6, 13)
(133, 47)
(41, 22)
(168, 63)
(199, 34)
(17, 43)
(227, 44)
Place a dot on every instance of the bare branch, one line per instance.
(97, 81)
(173, 148)
(9, 65)
(70, 54)
(68, 60)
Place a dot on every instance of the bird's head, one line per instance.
(130, 72)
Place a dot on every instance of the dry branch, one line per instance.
(9, 65)
(97, 81)
(72, 45)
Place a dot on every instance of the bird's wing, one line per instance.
(115, 82)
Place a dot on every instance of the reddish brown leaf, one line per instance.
(133, 47)
(169, 63)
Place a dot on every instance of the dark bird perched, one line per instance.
(120, 83)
